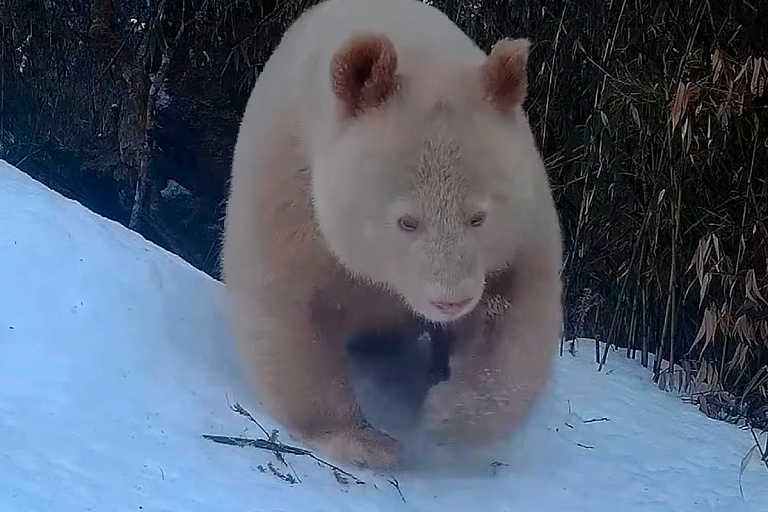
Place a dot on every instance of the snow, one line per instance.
(115, 359)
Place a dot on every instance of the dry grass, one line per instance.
(279, 449)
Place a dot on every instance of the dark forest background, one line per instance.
(652, 116)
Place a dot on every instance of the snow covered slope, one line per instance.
(115, 359)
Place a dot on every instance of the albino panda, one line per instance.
(385, 171)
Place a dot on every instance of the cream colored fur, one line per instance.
(314, 250)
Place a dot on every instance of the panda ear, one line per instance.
(505, 74)
(363, 73)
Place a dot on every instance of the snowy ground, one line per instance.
(115, 360)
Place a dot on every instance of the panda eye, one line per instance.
(477, 220)
(408, 223)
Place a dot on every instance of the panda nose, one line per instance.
(450, 307)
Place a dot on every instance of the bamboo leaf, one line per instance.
(635, 116)
(680, 104)
(752, 291)
(707, 330)
(717, 65)
(744, 464)
(704, 286)
(756, 72)
(758, 380)
(718, 254)
(743, 70)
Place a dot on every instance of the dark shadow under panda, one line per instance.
(392, 371)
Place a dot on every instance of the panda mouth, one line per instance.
(450, 308)
(444, 311)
